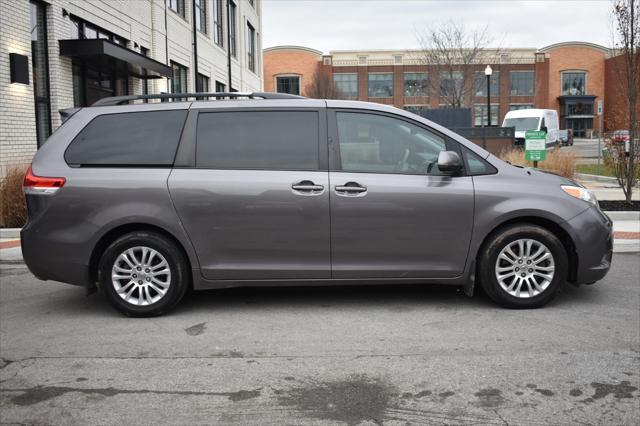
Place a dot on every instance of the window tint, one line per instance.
(475, 165)
(137, 138)
(283, 140)
(380, 144)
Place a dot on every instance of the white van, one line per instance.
(534, 119)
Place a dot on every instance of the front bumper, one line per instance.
(592, 234)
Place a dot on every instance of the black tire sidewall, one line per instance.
(175, 258)
(501, 239)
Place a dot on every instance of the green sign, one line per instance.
(535, 145)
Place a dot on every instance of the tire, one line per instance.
(143, 292)
(504, 292)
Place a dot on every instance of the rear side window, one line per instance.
(128, 139)
(277, 140)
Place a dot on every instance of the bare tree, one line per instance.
(626, 45)
(454, 53)
(321, 85)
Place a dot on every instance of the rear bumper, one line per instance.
(592, 233)
(43, 259)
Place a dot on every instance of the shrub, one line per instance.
(13, 209)
(560, 162)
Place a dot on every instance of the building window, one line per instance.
(177, 6)
(202, 83)
(574, 83)
(40, 70)
(380, 85)
(81, 29)
(481, 84)
(218, 23)
(179, 78)
(232, 30)
(220, 87)
(522, 83)
(416, 84)
(251, 47)
(514, 107)
(480, 114)
(201, 15)
(288, 84)
(346, 85)
(451, 83)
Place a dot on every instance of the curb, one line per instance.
(10, 232)
(596, 178)
(623, 215)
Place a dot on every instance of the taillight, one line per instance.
(41, 185)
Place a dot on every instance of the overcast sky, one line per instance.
(328, 25)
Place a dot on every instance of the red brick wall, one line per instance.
(582, 58)
(290, 61)
(616, 107)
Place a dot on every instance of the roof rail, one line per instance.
(120, 100)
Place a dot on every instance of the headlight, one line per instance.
(581, 193)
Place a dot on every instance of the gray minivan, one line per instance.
(147, 200)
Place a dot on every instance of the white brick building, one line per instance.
(88, 49)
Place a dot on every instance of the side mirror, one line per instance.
(449, 162)
(544, 129)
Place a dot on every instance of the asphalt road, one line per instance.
(365, 355)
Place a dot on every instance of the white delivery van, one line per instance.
(534, 119)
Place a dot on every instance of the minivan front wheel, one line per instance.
(143, 274)
(523, 266)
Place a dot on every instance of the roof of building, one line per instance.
(292, 47)
(574, 44)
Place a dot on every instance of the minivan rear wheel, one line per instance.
(522, 266)
(143, 274)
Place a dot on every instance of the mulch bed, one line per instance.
(619, 206)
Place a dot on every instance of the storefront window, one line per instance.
(522, 83)
(380, 85)
(416, 84)
(346, 85)
(574, 83)
(481, 84)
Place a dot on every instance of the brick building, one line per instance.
(57, 54)
(569, 77)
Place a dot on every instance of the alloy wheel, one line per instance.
(141, 276)
(525, 268)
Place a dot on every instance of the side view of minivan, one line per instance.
(534, 119)
(147, 200)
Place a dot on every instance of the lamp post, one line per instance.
(488, 71)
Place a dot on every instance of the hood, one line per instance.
(519, 134)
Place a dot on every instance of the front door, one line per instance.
(393, 213)
(256, 205)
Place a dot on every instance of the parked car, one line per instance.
(147, 200)
(566, 137)
(534, 119)
(620, 136)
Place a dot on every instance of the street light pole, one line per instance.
(488, 71)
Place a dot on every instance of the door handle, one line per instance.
(351, 188)
(307, 186)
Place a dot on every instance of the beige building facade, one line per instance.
(78, 51)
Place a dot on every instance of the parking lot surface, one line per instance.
(333, 355)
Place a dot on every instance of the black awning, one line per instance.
(106, 53)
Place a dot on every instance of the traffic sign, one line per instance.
(535, 145)
(599, 107)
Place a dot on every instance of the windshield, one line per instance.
(522, 123)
